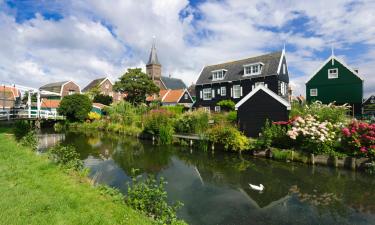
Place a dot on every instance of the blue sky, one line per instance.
(81, 40)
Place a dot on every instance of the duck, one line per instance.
(259, 188)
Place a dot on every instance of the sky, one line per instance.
(45, 41)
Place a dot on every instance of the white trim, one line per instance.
(62, 87)
(220, 70)
(316, 91)
(253, 64)
(105, 80)
(281, 62)
(165, 95)
(268, 91)
(183, 93)
(163, 83)
(258, 64)
(332, 57)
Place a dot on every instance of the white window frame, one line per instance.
(283, 88)
(333, 73)
(207, 94)
(218, 91)
(252, 69)
(284, 68)
(372, 101)
(217, 108)
(236, 91)
(71, 92)
(186, 96)
(312, 94)
(223, 91)
(206, 109)
(216, 73)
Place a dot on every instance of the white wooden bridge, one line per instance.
(25, 111)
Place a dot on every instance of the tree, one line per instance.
(137, 85)
(75, 107)
(103, 99)
(227, 105)
(93, 92)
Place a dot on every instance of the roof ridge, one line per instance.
(243, 59)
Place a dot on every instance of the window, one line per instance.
(313, 92)
(258, 84)
(284, 68)
(333, 73)
(186, 96)
(236, 91)
(71, 92)
(218, 91)
(218, 74)
(106, 86)
(217, 108)
(372, 101)
(207, 109)
(223, 91)
(283, 88)
(253, 69)
(207, 94)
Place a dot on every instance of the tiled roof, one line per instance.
(93, 84)
(53, 87)
(173, 83)
(50, 103)
(159, 97)
(98, 105)
(173, 95)
(10, 92)
(235, 69)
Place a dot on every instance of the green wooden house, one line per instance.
(336, 82)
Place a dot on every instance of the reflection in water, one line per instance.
(49, 140)
(215, 190)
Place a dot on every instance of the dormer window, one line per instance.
(253, 69)
(218, 74)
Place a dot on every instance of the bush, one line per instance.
(227, 105)
(93, 116)
(322, 112)
(150, 197)
(166, 134)
(66, 156)
(229, 137)
(126, 114)
(156, 119)
(192, 122)
(103, 99)
(359, 137)
(273, 135)
(177, 109)
(21, 128)
(232, 116)
(75, 107)
(30, 140)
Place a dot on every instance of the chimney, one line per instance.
(356, 70)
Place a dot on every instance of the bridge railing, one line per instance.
(10, 114)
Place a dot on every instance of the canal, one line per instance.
(214, 187)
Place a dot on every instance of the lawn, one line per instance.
(35, 191)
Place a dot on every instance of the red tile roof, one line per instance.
(174, 95)
(159, 97)
(50, 103)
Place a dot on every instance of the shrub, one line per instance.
(156, 119)
(229, 137)
(66, 156)
(166, 134)
(150, 197)
(75, 107)
(227, 105)
(21, 128)
(93, 116)
(331, 112)
(30, 140)
(177, 109)
(232, 116)
(192, 122)
(103, 99)
(359, 137)
(127, 114)
(273, 135)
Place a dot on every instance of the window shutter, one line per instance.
(231, 92)
(213, 93)
(241, 91)
(252, 87)
(201, 94)
(218, 91)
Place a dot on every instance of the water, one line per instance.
(214, 187)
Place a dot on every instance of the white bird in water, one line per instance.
(259, 188)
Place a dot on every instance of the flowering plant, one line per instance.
(361, 137)
(315, 135)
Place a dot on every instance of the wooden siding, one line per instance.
(347, 88)
(253, 113)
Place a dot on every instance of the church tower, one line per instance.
(153, 67)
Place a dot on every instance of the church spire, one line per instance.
(153, 59)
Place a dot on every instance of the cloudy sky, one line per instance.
(53, 40)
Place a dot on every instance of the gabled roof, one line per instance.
(50, 103)
(98, 105)
(54, 87)
(159, 97)
(235, 69)
(10, 91)
(266, 90)
(173, 83)
(174, 95)
(369, 98)
(333, 57)
(94, 83)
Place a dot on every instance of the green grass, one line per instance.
(35, 191)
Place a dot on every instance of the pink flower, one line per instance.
(372, 146)
(363, 126)
(363, 149)
(346, 132)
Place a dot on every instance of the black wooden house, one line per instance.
(234, 80)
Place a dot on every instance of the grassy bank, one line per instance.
(35, 191)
